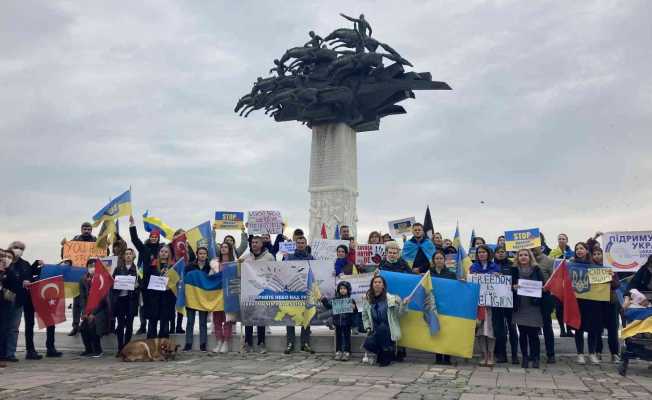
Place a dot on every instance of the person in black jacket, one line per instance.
(96, 323)
(125, 302)
(503, 323)
(438, 270)
(159, 305)
(147, 254)
(343, 322)
(393, 261)
(9, 285)
(642, 279)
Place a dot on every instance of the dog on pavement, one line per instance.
(159, 349)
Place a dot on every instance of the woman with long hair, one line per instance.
(590, 313)
(223, 323)
(527, 310)
(201, 264)
(159, 305)
(485, 328)
(610, 312)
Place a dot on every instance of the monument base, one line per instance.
(333, 183)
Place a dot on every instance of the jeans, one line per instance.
(547, 306)
(249, 335)
(125, 321)
(291, 335)
(223, 329)
(28, 313)
(14, 313)
(190, 326)
(529, 340)
(343, 338)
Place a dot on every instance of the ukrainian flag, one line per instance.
(462, 260)
(202, 235)
(118, 207)
(175, 284)
(590, 282)
(424, 300)
(639, 321)
(312, 297)
(154, 223)
(204, 292)
(71, 276)
(456, 305)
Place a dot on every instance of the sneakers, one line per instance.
(615, 358)
(372, 359)
(345, 356)
(289, 349)
(365, 358)
(86, 353)
(53, 353)
(246, 348)
(187, 347)
(599, 355)
(262, 349)
(218, 347)
(338, 356)
(180, 331)
(202, 347)
(32, 355)
(580, 359)
(307, 349)
(97, 355)
(594, 359)
(74, 331)
(224, 348)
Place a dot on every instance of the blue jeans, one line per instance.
(14, 313)
(190, 326)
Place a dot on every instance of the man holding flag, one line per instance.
(48, 298)
(94, 288)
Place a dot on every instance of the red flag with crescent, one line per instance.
(180, 248)
(100, 287)
(48, 297)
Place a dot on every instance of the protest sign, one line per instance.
(110, 262)
(324, 273)
(522, 239)
(326, 249)
(495, 290)
(369, 254)
(231, 287)
(402, 226)
(80, 252)
(626, 251)
(287, 247)
(259, 222)
(342, 306)
(529, 288)
(124, 282)
(359, 286)
(273, 292)
(451, 262)
(159, 283)
(590, 282)
(229, 220)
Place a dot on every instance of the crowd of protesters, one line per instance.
(378, 316)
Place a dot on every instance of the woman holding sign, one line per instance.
(527, 308)
(485, 329)
(125, 301)
(159, 300)
(590, 313)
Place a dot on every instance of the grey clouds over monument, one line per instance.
(338, 85)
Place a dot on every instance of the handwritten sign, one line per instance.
(398, 227)
(326, 249)
(369, 254)
(229, 220)
(124, 282)
(495, 290)
(159, 283)
(529, 288)
(342, 306)
(80, 252)
(287, 247)
(522, 239)
(627, 251)
(259, 222)
(359, 285)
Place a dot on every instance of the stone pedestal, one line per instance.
(333, 178)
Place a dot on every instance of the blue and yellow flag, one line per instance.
(118, 207)
(154, 223)
(176, 284)
(456, 305)
(425, 301)
(202, 235)
(71, 276)
(204, 292)
(410, 250)
(639, 320)
(590, 282)
(313, 295)
(462, 260)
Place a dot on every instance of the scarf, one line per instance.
(411, 248)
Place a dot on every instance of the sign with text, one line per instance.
(159, 283)
(626, 251)
(229, 220)
(522, 239)
(402, 226)
(326, 249)
(529, 288)
(287, 247)
(369, 254)
(495, 290)
(342, 306)
(259, 222)
(124, 282)
(80, 252)
(359, 285)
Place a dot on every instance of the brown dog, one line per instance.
(159, 349)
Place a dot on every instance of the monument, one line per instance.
(338, 86)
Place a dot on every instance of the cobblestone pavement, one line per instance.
(276, 376)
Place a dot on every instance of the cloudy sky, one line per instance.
(548, 123)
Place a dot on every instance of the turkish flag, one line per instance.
(560, 286)
(100, 286)
(180, 248)
(48, 298)
(323, 231)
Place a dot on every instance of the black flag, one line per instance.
(428, 227)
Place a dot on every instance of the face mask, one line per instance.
(91, 271)
(17, 252)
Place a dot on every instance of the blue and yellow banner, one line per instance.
(463, 260)
(155, 223)
(202, 235)
(457, 304)
(71, 276)
(522, 239)
(175, 275)
(118, 207)
(204, 292)
(590, 282)
(231, 285)
(229, 220)
(639, 320)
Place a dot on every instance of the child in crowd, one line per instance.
(342, 322)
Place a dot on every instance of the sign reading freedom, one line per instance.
(80, 252)
(495, 290)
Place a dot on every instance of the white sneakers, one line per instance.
(615, 358)
(338, 355)
(221, 347)
(594, 359)
(365, 358)
(580, 359)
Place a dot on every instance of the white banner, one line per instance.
(529, 288)
(326, 249)
(159, 283)
(626, 251)
(125, 282)
(402, 226)
(495, 290)
(259, 222)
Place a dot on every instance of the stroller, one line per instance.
(638, 346)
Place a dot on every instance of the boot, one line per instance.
(74, 331)
(535, 363)
(524, 363)
(33, 355)
(514, 359)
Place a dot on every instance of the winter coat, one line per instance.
(399, 266)
(642, 279)
(345, 319)
(477, 268)
(19, 271)
(299, 255)
(395, 309)
(527, 310)
(147, 252)
(157, 304)
(133, 295)
(263, 256)
(101, 313)
(444, 274)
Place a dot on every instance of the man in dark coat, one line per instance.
(300, 253)
(96, 323)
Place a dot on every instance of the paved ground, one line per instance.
(302, 377)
